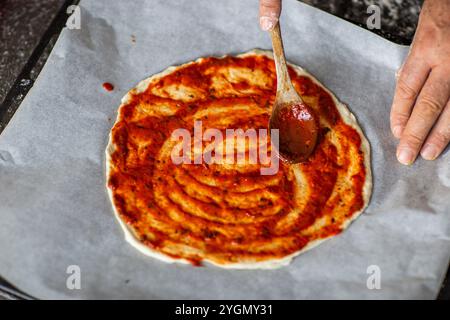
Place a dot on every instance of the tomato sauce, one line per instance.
(297, 132)
(108, 86)
(222, 215)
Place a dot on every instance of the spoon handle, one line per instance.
(284, 83)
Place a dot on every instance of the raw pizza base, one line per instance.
(346, 116)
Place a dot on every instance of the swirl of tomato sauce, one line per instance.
(229, 214)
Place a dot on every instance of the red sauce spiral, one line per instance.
(229, 214)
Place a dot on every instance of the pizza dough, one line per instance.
(229, 214)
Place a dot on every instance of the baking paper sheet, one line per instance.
(54, 210)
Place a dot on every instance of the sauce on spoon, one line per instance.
(296, 123)
(298, 131)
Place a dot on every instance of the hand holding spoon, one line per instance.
(297, 125)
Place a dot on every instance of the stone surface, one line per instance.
(398, 17)
(22, 24)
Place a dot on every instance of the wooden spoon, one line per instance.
(297, 125)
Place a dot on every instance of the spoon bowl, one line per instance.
(297, 128)
(296, 123)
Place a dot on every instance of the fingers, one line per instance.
(431, 101)
(269, 13)
(412, 76)
(439, 137)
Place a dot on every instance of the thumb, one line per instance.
(269, 12)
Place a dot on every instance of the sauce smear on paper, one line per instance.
(108, 86)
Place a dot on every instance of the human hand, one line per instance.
(420, 114)
(269, 13)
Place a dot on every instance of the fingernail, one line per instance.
(397, 131)
(429, 152)
(267, 23)
(405, 156)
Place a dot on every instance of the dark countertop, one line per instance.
(29, 29)
(398, 17)
(22, 24)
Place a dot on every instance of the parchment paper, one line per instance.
(53, 205)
